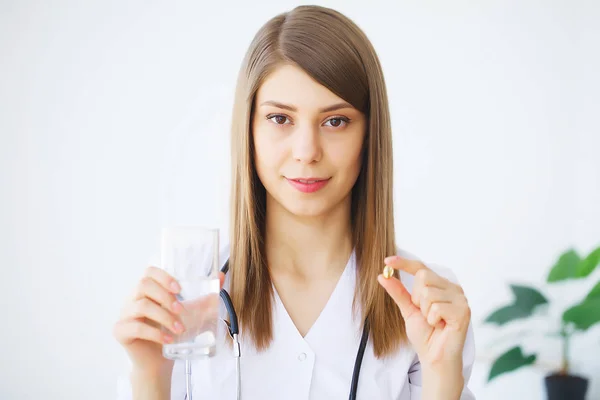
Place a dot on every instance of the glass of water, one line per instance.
(191, 255)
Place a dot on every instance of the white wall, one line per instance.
(114, 121)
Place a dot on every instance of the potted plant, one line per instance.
(560, 384)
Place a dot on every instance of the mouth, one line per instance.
(308, 185)
(308, 180)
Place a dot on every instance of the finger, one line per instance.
(151, 289)
(417, 289)
(430, 278)
(425, 278)
(436, 321)
(128, 331)
(418, 269)
(163, 278)
(146, 308)
(454, 313)
(399, 294)
(431, 295)
(403, 264)
(436, 312)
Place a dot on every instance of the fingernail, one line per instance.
(390, 259)
(176, 307)
(178, 327)
(167, 338)
(175, 287)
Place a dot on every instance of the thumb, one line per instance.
(398, 292)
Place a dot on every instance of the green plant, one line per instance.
(527, 302)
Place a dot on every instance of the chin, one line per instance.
(303, 205)
(305, 209)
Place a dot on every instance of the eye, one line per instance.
(279, 119)
(336, 122)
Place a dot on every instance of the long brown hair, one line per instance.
(337, 54)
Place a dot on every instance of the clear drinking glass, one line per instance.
(191, 255)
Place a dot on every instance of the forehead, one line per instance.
(290, 85)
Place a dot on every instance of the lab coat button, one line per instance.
(302, 356)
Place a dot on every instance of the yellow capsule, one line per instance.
(388, 272)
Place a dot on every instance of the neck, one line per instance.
(309, 247)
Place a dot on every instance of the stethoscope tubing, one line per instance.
(233, 329)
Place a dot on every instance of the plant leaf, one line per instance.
(526, 300)
(588, 264)
(566, 267)
(584, 314)
(510, 361)
(507, 314)
(594, 293)
(528, 297)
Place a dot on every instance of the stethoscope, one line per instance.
(233, 329)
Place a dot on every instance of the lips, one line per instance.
(308, 185)
(308, 180)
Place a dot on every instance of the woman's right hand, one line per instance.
(153, 305)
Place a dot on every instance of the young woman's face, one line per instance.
(308, 143)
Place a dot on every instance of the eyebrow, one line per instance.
(333, 107)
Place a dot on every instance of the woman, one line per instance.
(311, 229)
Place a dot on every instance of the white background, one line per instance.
(114, 121)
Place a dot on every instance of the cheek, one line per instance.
(268, 154)
(347, 158)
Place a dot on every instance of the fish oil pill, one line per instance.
(388, 272)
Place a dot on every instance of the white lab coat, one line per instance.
(314, 367)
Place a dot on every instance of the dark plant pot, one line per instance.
(565, 387)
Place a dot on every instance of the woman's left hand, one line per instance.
(436, 314)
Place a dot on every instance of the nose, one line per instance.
(306, 145)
